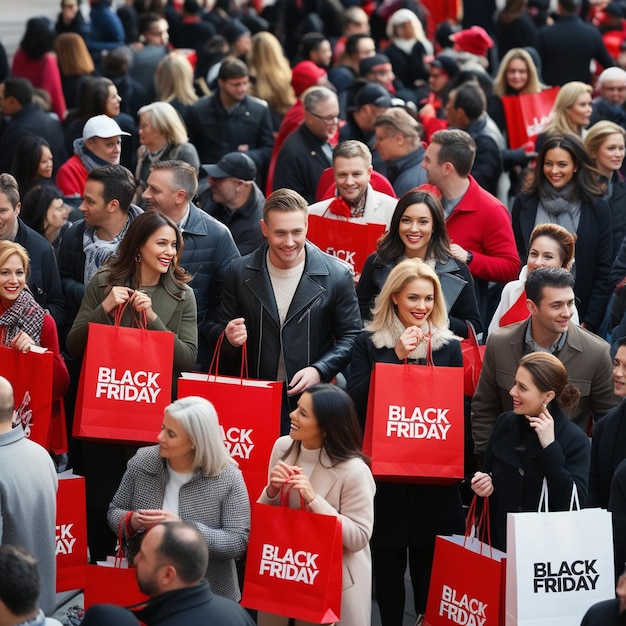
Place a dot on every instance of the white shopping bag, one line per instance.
(558, 564)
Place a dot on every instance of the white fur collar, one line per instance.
(388, 338)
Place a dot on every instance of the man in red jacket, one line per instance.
(478, 223)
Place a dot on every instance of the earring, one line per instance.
(545, 406)
(138, 258)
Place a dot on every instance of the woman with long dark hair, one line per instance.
(565, 190)
(418, 230)
(33, 162)
(36, 61)
(321, 462)
(146, 276)
(45, 211)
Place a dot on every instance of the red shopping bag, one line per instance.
(71, 533)
(414, 429)
(113, 581)
(294, 564)
(109, 584)
(467, 582)
(348, 241)
(527, 115)
(248, 434)
(30, 373)
(125, 383)
(473, 357)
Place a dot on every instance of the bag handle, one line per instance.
(472, 337)
(574, 502)
(285, 490)
(215, 359)
(119, 553)
(480, 529)
(142, 320)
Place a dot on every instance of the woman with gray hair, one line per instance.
(163, 137)
(188, 476)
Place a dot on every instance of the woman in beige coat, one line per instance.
(321, 461)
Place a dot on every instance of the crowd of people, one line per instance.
(160, 165)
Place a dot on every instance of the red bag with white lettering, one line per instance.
(351, 242)
(113, 581)
(527, 115)
(467, 578)
(414, 429)
(71, 533)
(294, 564)
(125, 383)
(30, 373)
(249, 415)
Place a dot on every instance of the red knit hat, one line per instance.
(474, 40)
(304, 75)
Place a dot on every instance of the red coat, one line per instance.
(481, 224)
(43, 74)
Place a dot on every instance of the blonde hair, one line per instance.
(9, 248)
(174, 79)
(270, 72)
(166, 121)
(566, 99)
(384, 312)
(533, 85)
(598, 133)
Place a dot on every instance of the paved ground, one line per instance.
(13, 16)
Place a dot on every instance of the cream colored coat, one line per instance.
(347, 491)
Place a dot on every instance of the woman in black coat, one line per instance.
(533, 442)
(410, 313)
(418, 230)
(565, 191)
(605, 143)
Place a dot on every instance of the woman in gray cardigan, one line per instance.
(189, 476)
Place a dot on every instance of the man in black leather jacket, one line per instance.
(296, 305)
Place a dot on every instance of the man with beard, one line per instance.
(171, 565)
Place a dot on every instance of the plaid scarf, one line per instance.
(24, 314)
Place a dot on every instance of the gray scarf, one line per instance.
(558, 206)
(98, 251)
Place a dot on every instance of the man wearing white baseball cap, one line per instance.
(101, 144)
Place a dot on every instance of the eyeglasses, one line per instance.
(327, 119)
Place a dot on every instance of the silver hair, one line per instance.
(199, 419)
